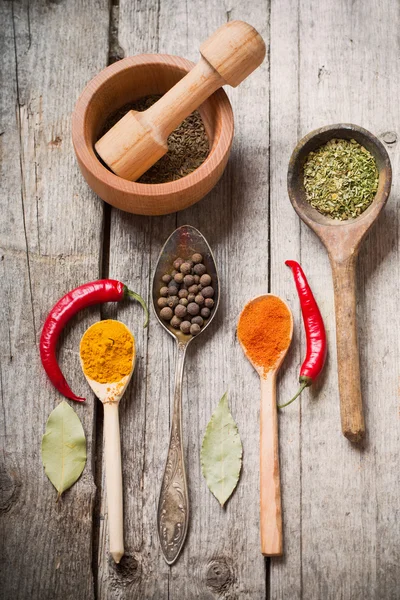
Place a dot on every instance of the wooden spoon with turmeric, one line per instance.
(265, 331)
(107, 352)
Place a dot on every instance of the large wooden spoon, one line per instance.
(110, 395)
(342, 239)
(270, 484)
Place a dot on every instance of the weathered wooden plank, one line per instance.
(285, 576)
(341, 505)
(350, 497)
(47, 248)
(222, 557)
(134, 246)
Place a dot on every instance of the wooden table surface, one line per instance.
(329, 62)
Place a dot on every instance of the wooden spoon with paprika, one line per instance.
(265, 332)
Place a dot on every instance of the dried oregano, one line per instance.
(340, 179)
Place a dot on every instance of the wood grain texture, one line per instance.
(347, 503)
(47, 249)
(228, 563)
(135, 242)
(285, 236)
(224, 558)
(329, 62)
(345, 291)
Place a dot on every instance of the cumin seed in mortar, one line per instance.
(188, 145)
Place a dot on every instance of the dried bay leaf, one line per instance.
(63, 447)
(221, 453)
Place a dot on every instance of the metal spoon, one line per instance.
(173, 507)
(342, 240)
(270, 483)
(110, 395)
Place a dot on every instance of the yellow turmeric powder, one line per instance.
(107, 351)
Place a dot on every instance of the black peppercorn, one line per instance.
(188, 280)
(186, 298)
(205, 280)
(175, 322)
(197, 258)
(178, 277)
(198, 321)
(173, 301)
(180, 311)
(173, 289)
(166, 313)
(199, 269)
(177, 263)
(162, 302)
(164, 291)
(193, 309)
(185, 268)
(185, 326)
(207, 292)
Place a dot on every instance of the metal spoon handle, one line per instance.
(173, 506)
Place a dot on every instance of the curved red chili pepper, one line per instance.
(315, 331)
(96, 292)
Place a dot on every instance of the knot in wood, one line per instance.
(389, 137)
(8, 489)
(126, 573)
(219, 575)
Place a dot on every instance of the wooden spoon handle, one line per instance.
(351, 409)
(112, 451)
(270, 485)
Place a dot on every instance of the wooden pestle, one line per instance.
(139, 139)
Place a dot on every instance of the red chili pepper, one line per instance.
(315, 331)
(103, 290)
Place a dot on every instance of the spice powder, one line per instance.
(264, 330)
(107, 351)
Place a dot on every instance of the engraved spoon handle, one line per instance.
(173, 505)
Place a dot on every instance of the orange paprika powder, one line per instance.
(264, 330)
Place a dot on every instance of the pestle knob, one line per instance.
(139, 139)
